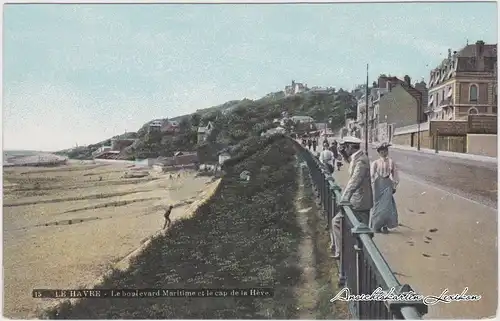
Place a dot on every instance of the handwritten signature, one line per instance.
(393, 295)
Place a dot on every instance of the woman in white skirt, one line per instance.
(384, 175)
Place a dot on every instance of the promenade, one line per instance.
(447, 237)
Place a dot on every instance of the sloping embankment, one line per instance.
(247, 235)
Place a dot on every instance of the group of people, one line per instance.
(369, 190)
(311, 142)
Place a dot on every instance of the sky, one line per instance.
(79, 74)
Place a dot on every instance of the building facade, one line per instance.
(392, 103)
(465, 83)
(204, 132)
(295, 88)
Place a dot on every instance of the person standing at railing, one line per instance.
(358, 191)
(326, 158)
(335, 150)
(309, 142)
(315, 143)
(326, 145)
(385, 179)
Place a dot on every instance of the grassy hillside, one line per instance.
(245, 236)
(234, 121)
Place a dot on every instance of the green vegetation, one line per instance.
(234, 122)
(245, 236)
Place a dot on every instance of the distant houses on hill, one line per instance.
(164, 126)
(204, 132)
(295, 88)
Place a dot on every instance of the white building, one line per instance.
(295, 88)
(302, 119)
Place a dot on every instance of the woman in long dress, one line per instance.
(384, 175)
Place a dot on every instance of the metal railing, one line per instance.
(362, 267)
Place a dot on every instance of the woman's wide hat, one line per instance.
(384, 145)
(350, 140)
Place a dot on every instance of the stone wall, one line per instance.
(482, 144)
(406, 139)
(482, 124)
(456, 144)
(448, 127)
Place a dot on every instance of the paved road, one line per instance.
(471, 179)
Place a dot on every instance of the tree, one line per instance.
(289, 125)
(184, 125)
(195, 119)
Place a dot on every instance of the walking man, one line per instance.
(358, 191)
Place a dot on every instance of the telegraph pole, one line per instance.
(366, 112)
(419, 109)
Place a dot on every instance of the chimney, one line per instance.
(407, 80)
(479, 48)
(422, 88)
(382, 82)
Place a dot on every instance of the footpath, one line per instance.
(443, 242)
(478, 158)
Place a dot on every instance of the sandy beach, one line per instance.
(65, 226)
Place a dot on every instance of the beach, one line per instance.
(65, 226)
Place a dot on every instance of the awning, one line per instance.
(450, 92)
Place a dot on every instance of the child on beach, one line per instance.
(167, 216)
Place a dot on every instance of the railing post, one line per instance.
(330, 199)
(395, 306)
(336, 210)
(436, 146)
(325, 194)
(362, 228)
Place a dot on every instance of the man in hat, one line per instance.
(358, 190)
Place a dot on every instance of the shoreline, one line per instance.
(88, 234)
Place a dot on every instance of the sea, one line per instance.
(17, 157)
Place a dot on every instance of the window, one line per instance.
(495, 95)
(473, 92)
(450, 92)
(472, 111)
(437, 99)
